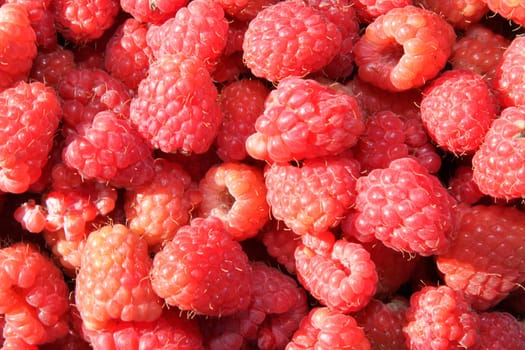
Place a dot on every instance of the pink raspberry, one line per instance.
(461, 14)
(152, 11)
(305, 119)
(509, 80)
(500, 330)
(113, 282)
(313, 197)
(404, 48)
(368, 10)
(185, 117)
(289, 38)
(406, 208)
(203, 270)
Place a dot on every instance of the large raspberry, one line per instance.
(404, 48)
(203, 270)
(112, 283)
(289, 38)
(305, 119)
(30, 115)
(509, 80)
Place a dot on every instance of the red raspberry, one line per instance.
(34, 296)
(509, 80)
(368, 10)
(462, 186)
(252, 8)
(109, 150)
(460, 13)
(127, 56)
(512, 10)
(383, 323)
(485, 259)
(343, 277)
(440, 318)
(313, 197)
(31, 114)
(66, 252)
(157, 209)
(457, 110)
(203, 270)
(82, 21)
(233, 7)
(184, 117)
(420, 146)
(289, 38)
(18, 44)
(152, 11)
(327, 329)
(198, 30)
(500, 330)
(112, 283)
(280, 243)
(230, 68)
(236, 194)
(404, 48)
(241, 103)
(498, 163)
(49, 67)
(480, 50)
(85, 92)
(305, 119)
(406, 208)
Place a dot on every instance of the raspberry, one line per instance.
(49, 67)
(233, 7)
(327, 329)
(383, 323)
(498, 163)
(462, 186)
(198, 30)
(457, 110)
(313, 197)
(485, 260)
(112, 283)
(42, 20)
(203, 270)
(184, 117)
(406, 208)
(461, 14)
(343, 278)
(84, 20)
(280, 243)
(252, 8)
(404, 48)
(67, 252)
(440, 318)
(500, 330)
(157, 209)
(512, 10)
(305, 119)
(109, 150)
(368, 10)
(241, 103)
(236, 194)
(508, 81)
(127, 55)
(152, 11)
(34, 296)
(31, 114)
(289, 38)
(18, 45)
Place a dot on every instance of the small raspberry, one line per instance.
(30, 115)
(406, 208)
(127, 55)
(441, 318)
(66, 252)
(343, 278)
(203, 270)
(404, 48)
(252, 8)
(485, 259)
(198, 30)
(49, 67)
(152, 11)
(500, 330)
(312, 197)
(509, 80)
(177, 117)
(509, 9)
(241, 103)
(368, 10)
(289, 38)
(462, 186)
(112, 283)
(460, 13)
(327, 329)
(457, 110)
(17, 46)
(34, 296)
(305, 119)
(109, 150)
(280, 243)
(498, 163)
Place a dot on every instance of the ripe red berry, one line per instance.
(500, 330)
(461, 14)
(509, 80)
(511, 10)
(152, 11)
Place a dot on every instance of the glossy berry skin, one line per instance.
(30, 115)
(203, 270)
(305, 119)
(498, 163)
(406, 208)
(485, 260)
(508, 81)
(112, 283)
(289, 38)
(404, 48)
